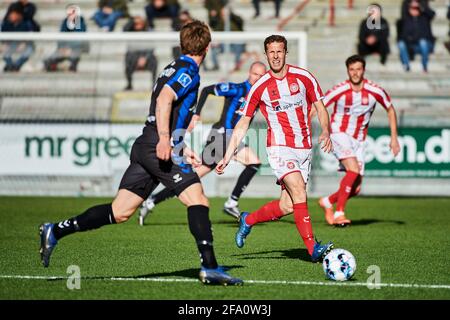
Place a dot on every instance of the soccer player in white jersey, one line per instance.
(285, 95)
(353, 103)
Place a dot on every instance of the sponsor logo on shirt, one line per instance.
(279, 105)
(167, 72)
(184, 79)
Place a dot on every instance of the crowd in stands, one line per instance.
(414, 32)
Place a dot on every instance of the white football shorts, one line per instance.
(345, 146)
(285, 160)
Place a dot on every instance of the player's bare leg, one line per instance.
(125, 204)
(250, 160)
(197, 205)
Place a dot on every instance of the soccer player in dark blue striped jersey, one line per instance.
(218, 140)
(159, 156)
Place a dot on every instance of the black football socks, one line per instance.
(244, 179)
(200, 227)
(164, 194)
(92, 218)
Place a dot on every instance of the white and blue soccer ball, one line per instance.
(339, 265)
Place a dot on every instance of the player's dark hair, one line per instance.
(376, 5)
(354, 59)
(195, 38)
(275, 38)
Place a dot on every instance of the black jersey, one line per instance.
(234, 94)
(183, 78)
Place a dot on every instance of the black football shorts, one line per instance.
(216, 146)
(146, 171)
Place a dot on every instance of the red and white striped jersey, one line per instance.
(352, 110)
(285, 104)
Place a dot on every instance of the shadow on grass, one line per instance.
(297, 253)
(185, 223)
(365, 222)
(186, 273)
(361, 222)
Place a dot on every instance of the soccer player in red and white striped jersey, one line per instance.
(353, 103)
(285, 96)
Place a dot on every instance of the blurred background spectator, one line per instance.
(16, 53)
(217, 16)
(447, 43)
(257, 8)
(414, 33)
(374, 34)
(140, 55)
(162, 9)
(109, 12)
(28, 11)
(69, 50)
(183, 17)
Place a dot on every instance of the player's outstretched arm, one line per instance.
(392, 117)
(239, 132)
(206, 91)
(324, 138)
(162, 113)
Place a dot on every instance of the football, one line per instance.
(339, 265)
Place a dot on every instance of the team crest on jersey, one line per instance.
(290, 165)
(293, 87)
(184, 79)
(224, 87)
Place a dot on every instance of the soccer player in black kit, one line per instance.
(218, 139)
(159, 156)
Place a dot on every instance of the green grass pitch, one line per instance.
(407, 238)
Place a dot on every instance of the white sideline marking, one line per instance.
(274, 282)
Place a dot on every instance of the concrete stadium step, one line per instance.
(91, 83)
(58, 185)
(55, 108)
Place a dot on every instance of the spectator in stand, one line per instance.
(28, 10)
(162, 9)
(217, 17)
(373, 37)
(447, 43)
(139, 56)
(184, 17)
(425, 4)
(69, 50)
(109, 12)
(257, 10)
(415, 35)
(16, 53)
